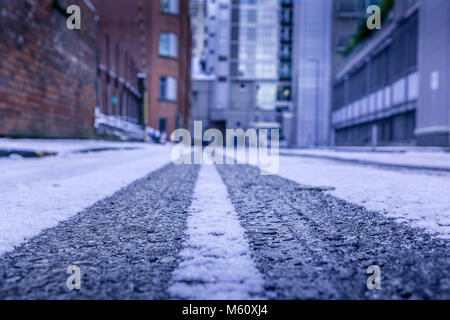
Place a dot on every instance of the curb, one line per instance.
(26, 153)
(102, 149)
(41, 154)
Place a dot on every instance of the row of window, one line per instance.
(404, 90)
(168, 42)
(398, 128)
(168, 47)
(393, 62)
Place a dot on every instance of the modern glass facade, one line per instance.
(250, 53)
(258, 32)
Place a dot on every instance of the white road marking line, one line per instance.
(216, 256)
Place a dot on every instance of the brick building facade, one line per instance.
(52, 78)
(155, 35)
(47, 72)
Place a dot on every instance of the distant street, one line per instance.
(220, 232)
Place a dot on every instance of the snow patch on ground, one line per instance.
(417, 198)
(419, 158)
(38, 193)
(63, 147)
(216, 257)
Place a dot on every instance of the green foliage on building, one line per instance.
(362, 32)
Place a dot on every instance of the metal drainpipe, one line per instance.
(142, 39)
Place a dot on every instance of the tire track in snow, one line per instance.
(38, 194)
(216, 261)
(311, 245)
(126, 245)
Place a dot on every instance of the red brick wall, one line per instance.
(47, 72)
(119, 20)
(161, 66)
(184, 107)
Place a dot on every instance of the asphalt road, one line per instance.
(126, 245)
(305, 243)
(310, 245)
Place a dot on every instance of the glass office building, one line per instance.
(249, 50)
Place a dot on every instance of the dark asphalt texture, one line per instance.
(307, 244)
(310, 245)
(126, 245)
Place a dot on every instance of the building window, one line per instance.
(285, 70)
(162, 125)
(266, 95)
(168, 89)
(251, 34)
(285, 52)
(170, 6)
(286, 34)
(284, 93)
(168, 45)
(252, 16)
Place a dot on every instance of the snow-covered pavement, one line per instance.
(417, 198)
(217, 262)
(38, 193)
(413, 157)
(62, 147)
(218, 232)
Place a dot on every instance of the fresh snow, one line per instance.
(38, 193)
(412, 157)
(417, 198)
(63, 147)
(216, 261)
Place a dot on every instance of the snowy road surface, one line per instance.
(64, 147)
(216, 258)
(38, 193)
(418, 198)
(414, 157)
(141, 229)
